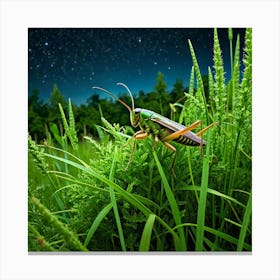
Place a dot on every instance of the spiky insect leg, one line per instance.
(205, 129)
(200, 133)
(139, 135)
(176, 135)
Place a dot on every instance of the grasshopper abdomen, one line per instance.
(190, 140)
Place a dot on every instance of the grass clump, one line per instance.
(89, 202)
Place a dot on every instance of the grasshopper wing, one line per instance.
(174, 127)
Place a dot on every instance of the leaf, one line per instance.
(214, 192)
(173, 205)
(97, 221)
(146, 234)
(126, 195)
(245, 224)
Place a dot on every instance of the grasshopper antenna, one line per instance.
(126, 87)
(115, 97)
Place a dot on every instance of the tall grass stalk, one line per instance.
(203, 198)
(53, 220)
(99, 218)
(132, 199)
(245, 225)
(173, 205)
(147, 232)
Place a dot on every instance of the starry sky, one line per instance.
(76, 59)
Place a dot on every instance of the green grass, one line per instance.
(81, 197)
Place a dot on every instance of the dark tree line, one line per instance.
(42, 115)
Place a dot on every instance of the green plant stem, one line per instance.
(203, 197)
(172, 203)
(59, 226)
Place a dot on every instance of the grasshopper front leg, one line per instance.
(139, 135)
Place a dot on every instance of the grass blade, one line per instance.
(129, 197)
(219, 74)
(200, 87)
(99, 218)
(114, 202)
(173, 205)
(72, 129)
(214, 192)
(147, 232)
(183, 115)
(203, 197)
(219, 234)
(132, 199)
(245, 224)
(68, 235)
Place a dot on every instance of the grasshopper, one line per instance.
(161, 128)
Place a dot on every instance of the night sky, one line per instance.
(76, 59)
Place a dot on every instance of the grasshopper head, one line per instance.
(135, 116)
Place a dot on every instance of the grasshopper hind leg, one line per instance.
(200, 133)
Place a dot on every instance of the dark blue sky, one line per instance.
(78, 58)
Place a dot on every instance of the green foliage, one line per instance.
(56, 98)
(160, 91)
(37, 156)
(42, 116)
(147, 232)
(219, 83)
(161, 86)
(37, 112)
(69, 129)
(69, 236)
(89, 202)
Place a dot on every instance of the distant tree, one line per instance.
(33, 100)
(178, 90)
(177, 96)
(36, 110)
(141, 94)
(93, 100)
(54, 113)
(160, 86)
(162, 97)
(35, 125)
(55, 98)
(86, 118)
